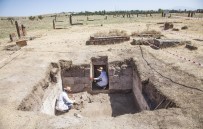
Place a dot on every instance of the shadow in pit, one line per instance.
(155, 99)
(122, 103)
(95, 87)
(58, 113)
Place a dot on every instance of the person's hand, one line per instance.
(91, 78)
(73, 101)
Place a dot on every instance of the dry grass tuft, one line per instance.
(152, 32)
(134, 34)
(117, 33)
(184, 28)
(111, 33)
(175, 29)
(147, 32)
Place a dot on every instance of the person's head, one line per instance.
(67, 89)
(100, 69)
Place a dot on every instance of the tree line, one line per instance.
(103, 12)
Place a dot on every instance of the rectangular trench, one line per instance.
(123, 79)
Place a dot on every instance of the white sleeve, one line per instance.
(100, 76)
(96, 78)
(65, 96)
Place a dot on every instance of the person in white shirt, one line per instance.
(64, 104)
(102, 80)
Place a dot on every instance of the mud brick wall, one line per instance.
(106, 40)
(77, 77)
(120, 77)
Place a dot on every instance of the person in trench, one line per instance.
(64, 103)
(102, 80)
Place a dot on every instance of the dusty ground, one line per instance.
(179, 80)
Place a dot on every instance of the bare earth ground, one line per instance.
(179, 80)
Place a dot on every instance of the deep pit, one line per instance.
(126, 93)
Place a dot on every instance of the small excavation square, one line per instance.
(103, 105)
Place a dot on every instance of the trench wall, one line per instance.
(51, 94)
(44, 94)
(77, 77)
(120, 76)
(137, 91)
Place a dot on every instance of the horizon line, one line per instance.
(100, 10)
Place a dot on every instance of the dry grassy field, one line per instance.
(31, 77)
(47, 22)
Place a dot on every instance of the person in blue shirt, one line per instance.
(102, 80)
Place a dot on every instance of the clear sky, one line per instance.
(37, 7)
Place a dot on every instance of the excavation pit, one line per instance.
(126, 93)
(103, 105)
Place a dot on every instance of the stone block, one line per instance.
(77, 88)
(127, 71)
(114, 79)
(77, 72)
(164, 43)
(111, 72)
(88, 85)
(21, 43)
(114, 85)
(81, 80)
(87, 72)
(78, 80)
(86, 80)
(74, 72)
(68, 81)
(66, 74)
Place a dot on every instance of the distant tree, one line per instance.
(100, 13)
(10, 18)
(40, 17)
(32, 18)
(160, 10)
(104, 12)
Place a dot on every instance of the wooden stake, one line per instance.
(70, 20)
(54, 24)
(17, 29)
(23, 30)
(159, 104)
(189, 14)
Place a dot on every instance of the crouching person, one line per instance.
(64, 104)
(102, 80)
